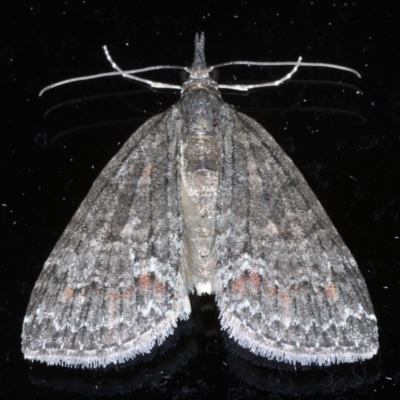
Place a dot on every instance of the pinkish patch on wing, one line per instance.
(249, 282)
(67, 294)
(238, 284)
(329, 290)
(121, 293)
(144, 281)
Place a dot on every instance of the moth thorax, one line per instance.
(199, 172)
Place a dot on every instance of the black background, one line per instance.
(344, 138)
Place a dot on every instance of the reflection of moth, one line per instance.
(200, 198)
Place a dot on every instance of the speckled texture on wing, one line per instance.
(112, 287)
(287, 286)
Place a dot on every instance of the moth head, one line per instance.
(199, 73)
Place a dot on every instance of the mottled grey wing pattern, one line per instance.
(287, 286)
(112, 287)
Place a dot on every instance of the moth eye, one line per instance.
(214, 75)
(184, 76)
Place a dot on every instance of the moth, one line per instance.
(200, 199)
